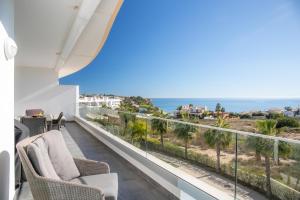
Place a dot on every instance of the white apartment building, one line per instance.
(111, 102)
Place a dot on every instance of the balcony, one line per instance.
(133, 183)
(195, 175)
(148, 171)
(185, 166)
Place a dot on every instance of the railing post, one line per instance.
(77, 100)
(276, 152)
(147, 121)
(236, 165)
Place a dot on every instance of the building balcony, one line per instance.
(149, 170)
(195, 173)
(133, 183)
(174, 160)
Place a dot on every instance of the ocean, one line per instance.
(231, 105)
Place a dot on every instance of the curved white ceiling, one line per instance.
(65, 35)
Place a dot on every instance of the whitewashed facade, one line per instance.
(111, 102)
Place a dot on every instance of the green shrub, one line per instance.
(103, 122)
(287, 122)
(257, 114)
(245, 116)
(295, 152)
(274, 115)
(233, 114)
(201, 159)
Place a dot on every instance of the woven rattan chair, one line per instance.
(43, 188)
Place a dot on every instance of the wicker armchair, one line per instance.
(43, 188)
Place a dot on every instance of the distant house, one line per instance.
(142, 110)
(275, 110)
(258, 115)
(297, 113)
(185, 107)
(289, 113)
(196, 111)
(209, 117)
(199, 109)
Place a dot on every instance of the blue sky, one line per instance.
(199, 48)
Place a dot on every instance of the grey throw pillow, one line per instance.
(38, 155)
(60, 156)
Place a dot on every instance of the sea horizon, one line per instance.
(230, 104)
(298, 98)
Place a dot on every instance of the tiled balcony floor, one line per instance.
(133, 184)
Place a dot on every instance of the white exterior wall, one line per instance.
(6, 103)
(39, 88)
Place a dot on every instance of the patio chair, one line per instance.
(95, 181)
(57, 122)
(36, 125)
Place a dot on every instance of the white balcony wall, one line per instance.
(6, 105)
(39, 88)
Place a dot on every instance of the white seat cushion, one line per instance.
(60, 155)
(39, 157)
(107, 183)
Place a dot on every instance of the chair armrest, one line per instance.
(91, 167)
(45, 188)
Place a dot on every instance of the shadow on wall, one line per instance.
(52, 100)
(4, 175)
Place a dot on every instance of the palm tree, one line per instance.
(267, 127)
(218, 107)
(284, 150)
(125, 119)
(222, 109)
(185, 115)
(185, 133)
(179, 108)
(255, 143)
(288, 108)
(160, 126)
(138, 130)
(218, 139)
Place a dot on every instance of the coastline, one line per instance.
(231, 104)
